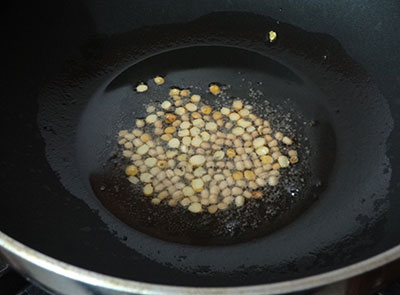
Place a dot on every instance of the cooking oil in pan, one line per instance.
(243, 75)
(192, 56)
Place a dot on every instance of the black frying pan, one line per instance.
(67, 89)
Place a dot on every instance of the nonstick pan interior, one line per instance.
(350, 220)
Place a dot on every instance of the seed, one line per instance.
(273, 143)
(199, 123)
(211, 126)
(162, 195)
(171, 154)
(188, 191)
(216, 116)
(158, 124)
(212, 209)
(143, 149)
(185, 202)
(250, 129)
(178, 103)
(197, 160)
(262, 151)
(225, 111)
(247, 194)
(276, 166)
(128, 145)
(139, 124)
(239, 165)
(237, 105)
(266, 160)
(150, 162)
(151, 118)
(244, 113)
(272, 35)
(142, 168)
(237, 191)
(228, 125)
(137, 132)
(272, 180)
(195, 98)
(240, 151)
(278, 135)
(257, 195)
(234, 116)
(195, 208)
(237, 175)
(170, 130)
(172, 203)
(225, 192)
(148, 189)
(194, 131)
(213, 199)
(206, 110)
(133, 179)
(180, 111)
(166, 105)
(239, 201)
(185, 93)
(183, 132)
(267, 131)
(174, 143)
(228, 200)
(292, 153)
(293, 159)
(142, 87)
(174, 91)
(122, 141)
(159, 80)
(219, 155)
(258, 122)
(258, 142)
(196, 141)
(146, 177)
(155, 201)
(248, 164)
(123, 132)
(197, 184)
(214, 89)
(191, 107)
(249, 175)
(166, 137)
(238, 131)
(243, 123)
(145, 137)
(162, 164)
(150, 109)
(286, 140)
(222, 206)
(199, 172)
(186, 141)
(276, 155)
(169, 118)
(131, 170)
(283, 161)
(260, 182)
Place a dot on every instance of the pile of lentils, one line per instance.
(186, 153)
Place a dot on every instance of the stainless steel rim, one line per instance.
(122, 285)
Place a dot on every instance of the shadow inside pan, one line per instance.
(268, 85)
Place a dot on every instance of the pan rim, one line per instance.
(79, 274)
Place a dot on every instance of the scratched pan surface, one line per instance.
(68, 88)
